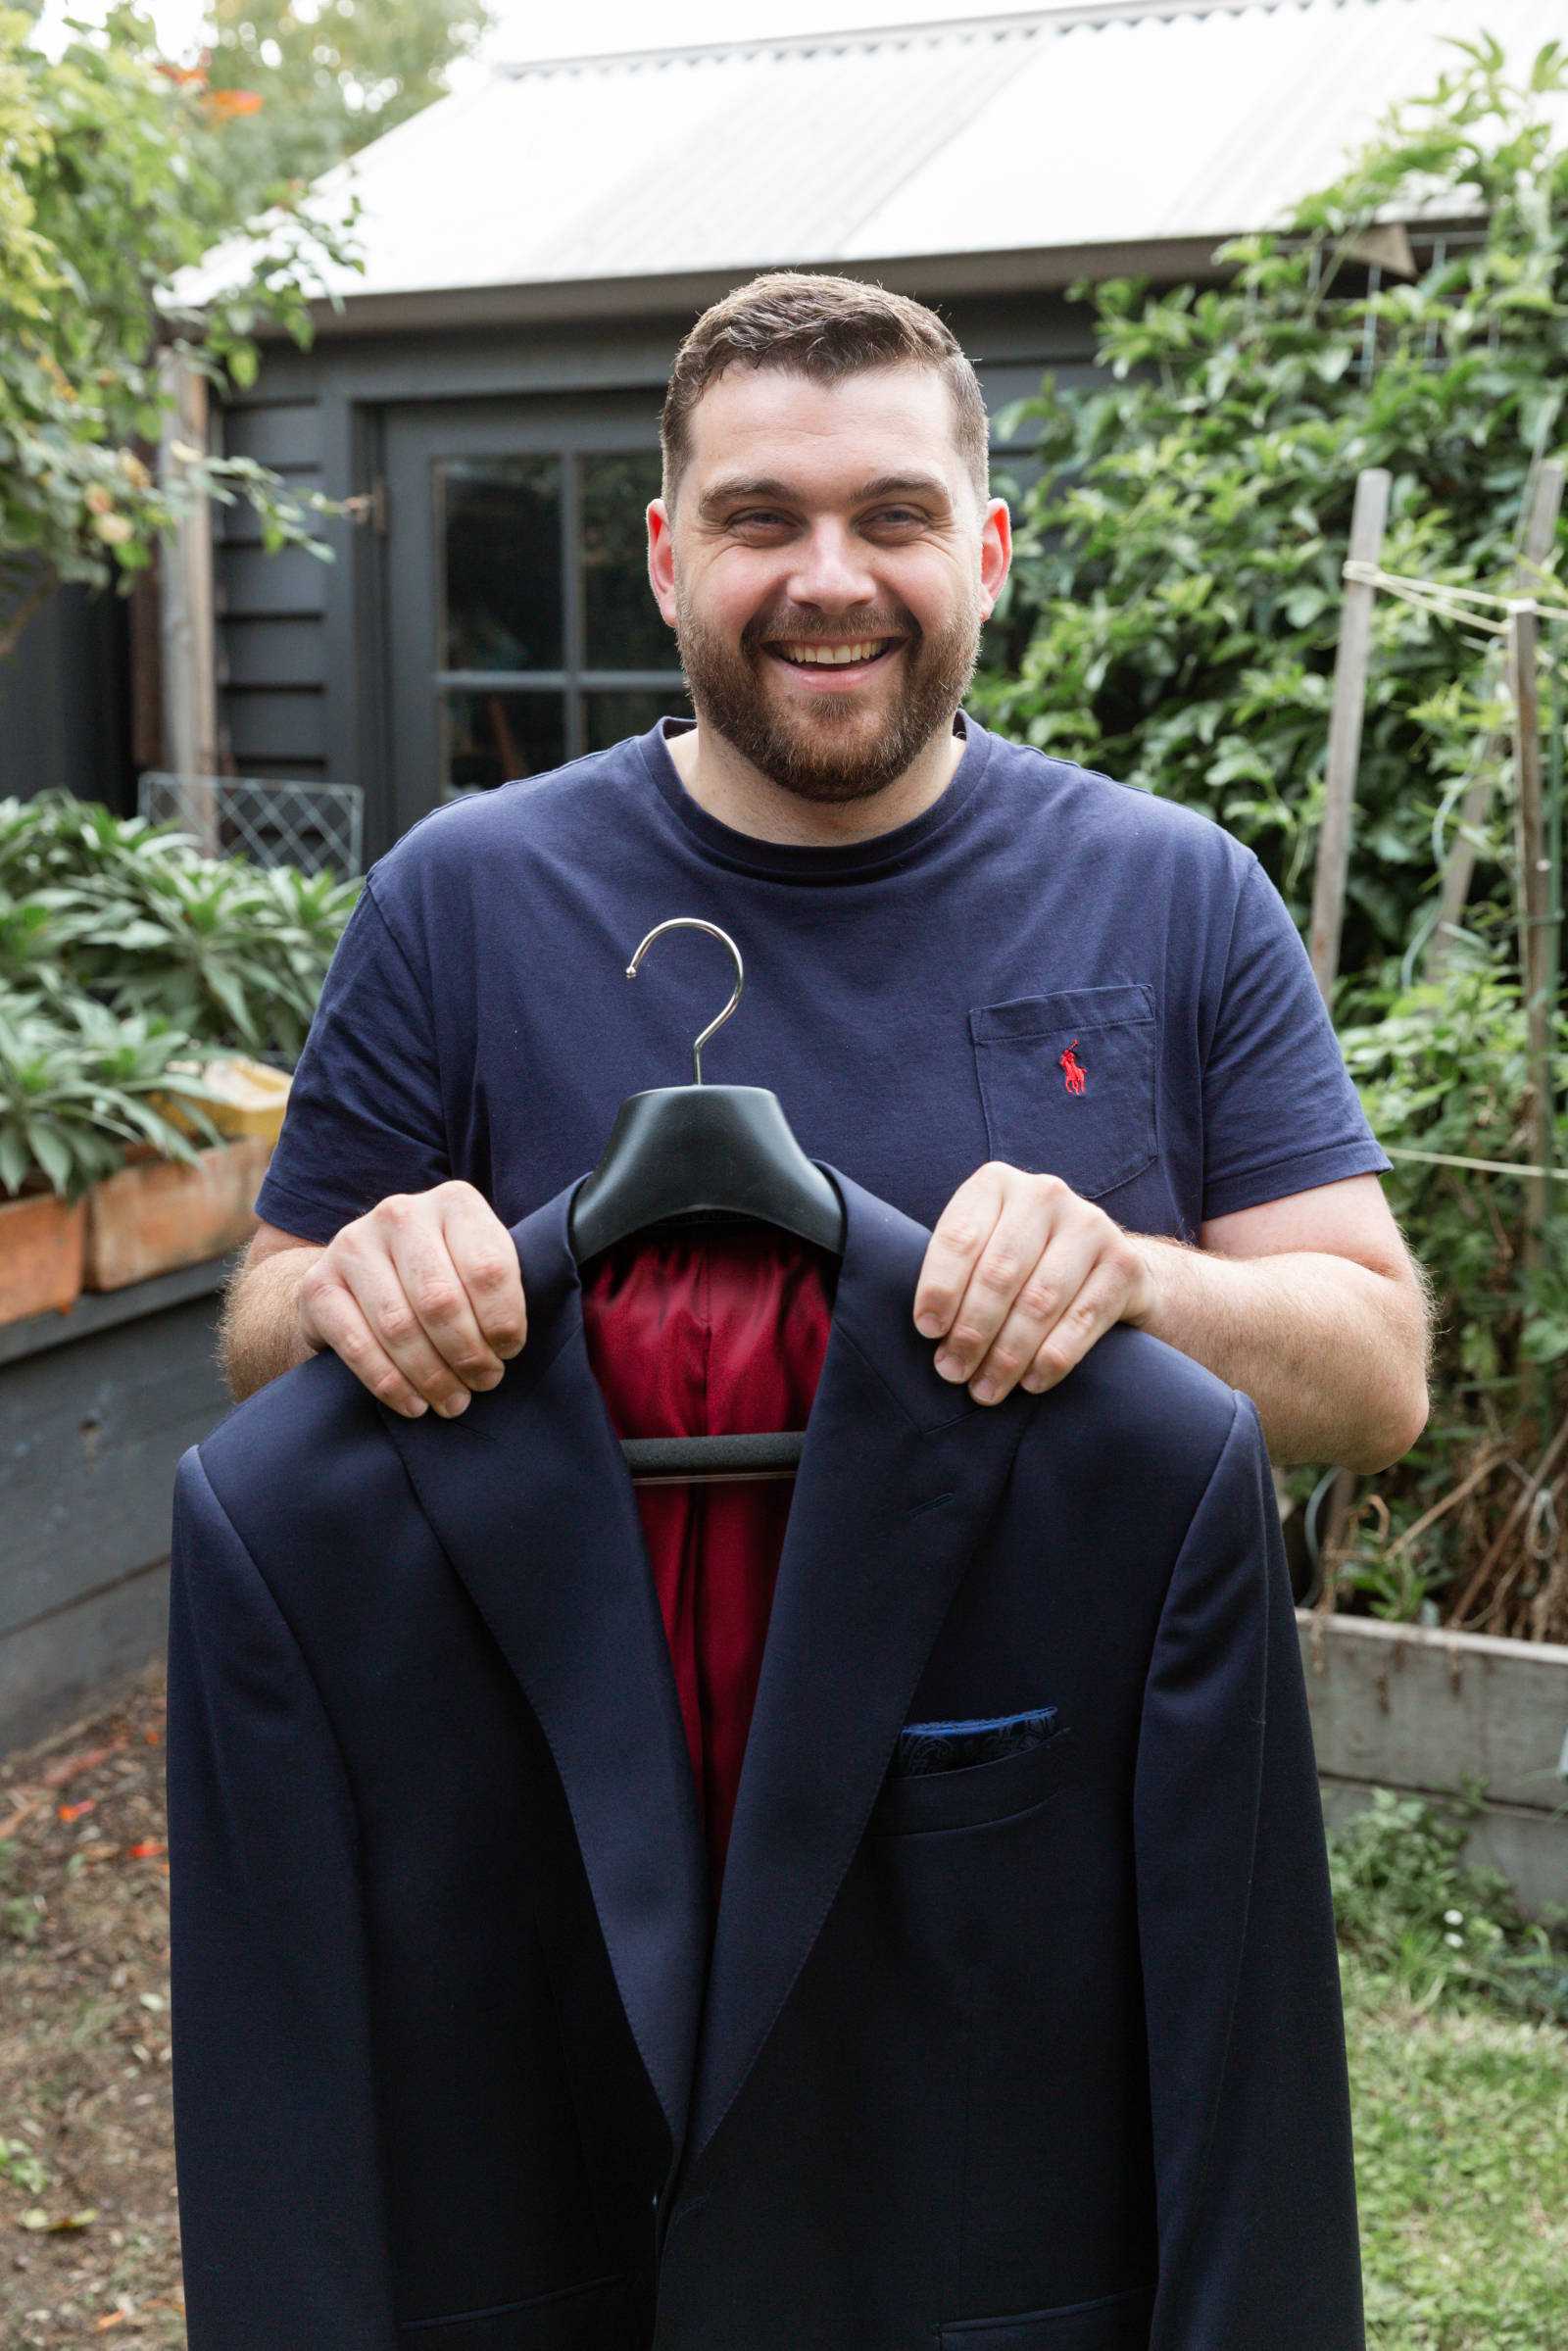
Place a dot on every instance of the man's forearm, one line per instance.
(257, 1328)
(1332, 1354)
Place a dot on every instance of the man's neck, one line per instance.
(738, 795)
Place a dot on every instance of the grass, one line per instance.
(1461, 2166)
(1457, 2025)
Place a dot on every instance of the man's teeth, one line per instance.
(835, 655)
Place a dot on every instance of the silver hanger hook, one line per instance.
(696, 923)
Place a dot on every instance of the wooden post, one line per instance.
(1368, 517)
(1367, 520)
(185, 574)
(1533, 908)
(1534, 546)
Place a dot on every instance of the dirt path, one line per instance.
(89, 2243)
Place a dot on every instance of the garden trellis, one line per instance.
(1516, 621)
(1537, 815)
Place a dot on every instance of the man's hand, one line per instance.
(1022, 1277)
(422, 1298)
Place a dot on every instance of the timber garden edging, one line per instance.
(1416, 1707)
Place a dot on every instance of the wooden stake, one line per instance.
(1534, 907)
(1540, 531)
(186, 578)
(1368, 517)
(1367, 520)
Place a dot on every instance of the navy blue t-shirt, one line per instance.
(1045, 966)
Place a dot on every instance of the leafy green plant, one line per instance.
(132, 916)
(1465, 1530)
(1173, 618)
(74, 1091)
(224, 949)
(1400, 1585)
(125, 958)
(1441, 1930)
(56, 838)
(1442, 1066)
(1172, 615)
(107, 192)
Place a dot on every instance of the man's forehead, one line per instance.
(761, 431)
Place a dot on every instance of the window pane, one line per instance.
(501, 551)
(624, 628)
(489, 739)
(609, 717)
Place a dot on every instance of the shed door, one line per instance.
(522, 631)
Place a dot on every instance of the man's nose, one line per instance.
(830, 570)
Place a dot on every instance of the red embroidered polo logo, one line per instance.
(1075, 1075)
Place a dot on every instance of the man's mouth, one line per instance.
(867, 653)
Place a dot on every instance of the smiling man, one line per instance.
(828, 614)
(1067, 1026)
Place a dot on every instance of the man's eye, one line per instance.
(891, 513)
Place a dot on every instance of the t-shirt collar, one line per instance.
(811, 862)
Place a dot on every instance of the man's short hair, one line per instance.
(827, 328)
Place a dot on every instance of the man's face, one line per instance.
(785, 545)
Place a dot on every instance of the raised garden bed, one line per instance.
(96, 1406)
(1417, 1708)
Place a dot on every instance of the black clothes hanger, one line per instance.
(699, 1155)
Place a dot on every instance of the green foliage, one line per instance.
(1173, 612)
(319, 81)
(22, 2166)
(1441, 1069)
(1444, 1932)
(1173, 619)
(74, 1088)
(107, 191)
(125, 958)
(1443, 1066)
(1460, 2117)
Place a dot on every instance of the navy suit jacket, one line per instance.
(1040, 2052)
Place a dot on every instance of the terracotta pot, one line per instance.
(155, 1213)
(41, 1248)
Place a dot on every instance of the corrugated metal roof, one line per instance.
(1117, 125)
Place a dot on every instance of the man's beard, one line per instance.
(813, 748)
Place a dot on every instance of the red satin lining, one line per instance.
(714, 1332)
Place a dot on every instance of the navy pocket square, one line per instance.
(940, 1746)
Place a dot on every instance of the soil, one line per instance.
(89, 2233)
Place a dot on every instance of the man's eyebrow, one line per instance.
(762, 485)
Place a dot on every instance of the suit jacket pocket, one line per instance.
(972, 1795)
(1109, 2322)
(1068, 1083)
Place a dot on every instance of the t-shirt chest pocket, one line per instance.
(1068, 1083)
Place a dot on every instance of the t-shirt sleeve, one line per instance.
(365, 1115)
(1281, 1113)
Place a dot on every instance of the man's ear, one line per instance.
(661, 559)
(996, 553)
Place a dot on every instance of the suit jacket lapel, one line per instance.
(533, 1504)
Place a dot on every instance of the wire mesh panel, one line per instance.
(317, 827)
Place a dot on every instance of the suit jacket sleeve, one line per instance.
(280, 2200)
(1258, 2241)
